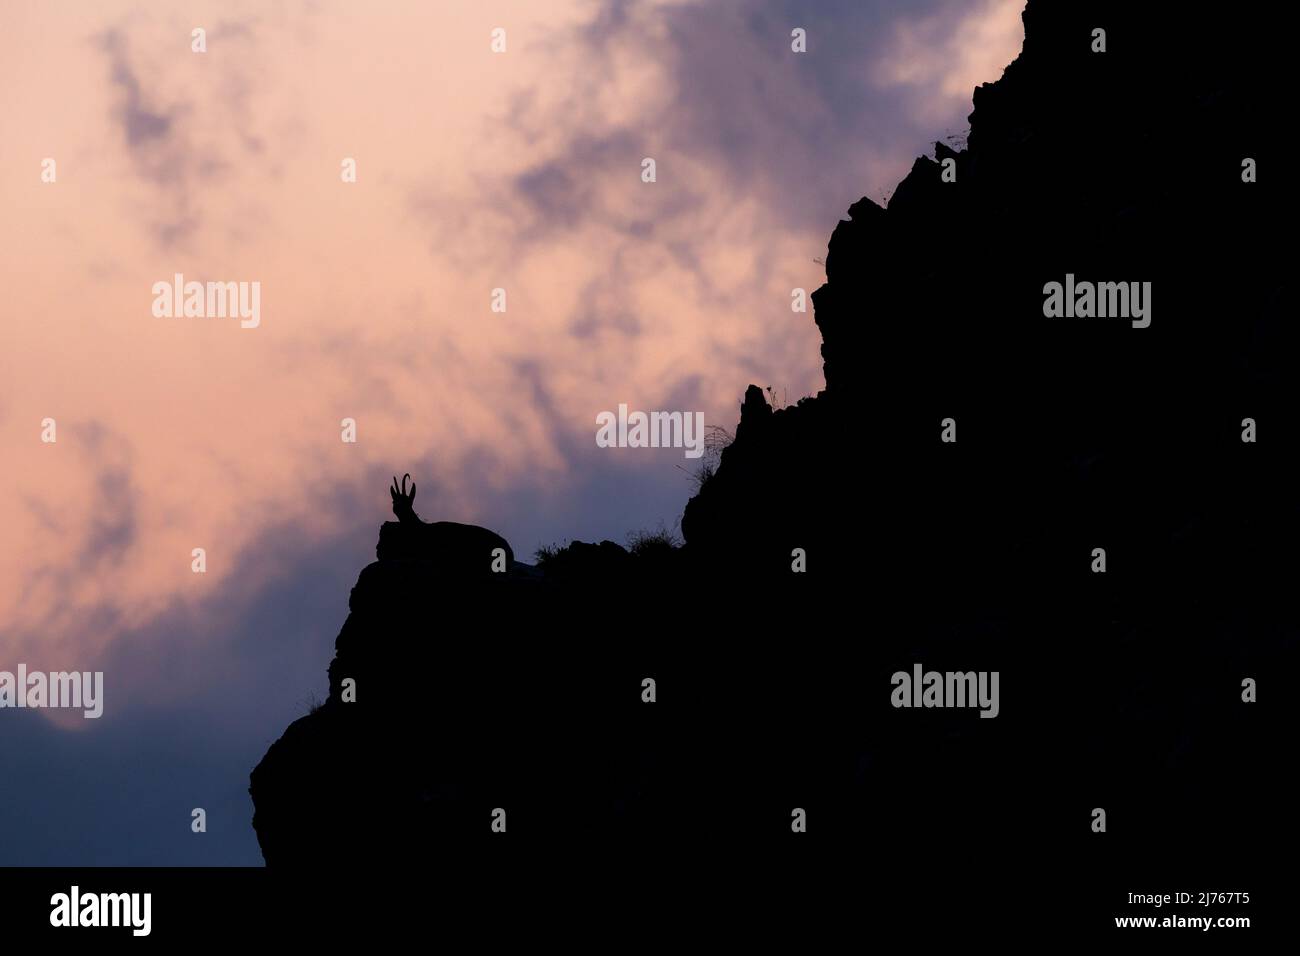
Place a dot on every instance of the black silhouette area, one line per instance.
(458, 550)
(1121, 690)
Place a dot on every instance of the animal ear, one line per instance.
(393, 490)
(412, 491)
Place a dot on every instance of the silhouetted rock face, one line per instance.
(1122, 166)
(523, 690)
(460, 549)
(363, 770)
(466, 694)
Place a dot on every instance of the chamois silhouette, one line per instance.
(404, 500)
(464, 548)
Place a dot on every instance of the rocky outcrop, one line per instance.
(455, 690)
(524, 690)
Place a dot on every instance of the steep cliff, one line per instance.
(524, 690)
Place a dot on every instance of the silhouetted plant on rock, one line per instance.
(716, 439)
(643, 542)
(546, 553)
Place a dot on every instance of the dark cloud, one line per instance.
(158, 152)
(809, 133)
(140, 124)
(552, 191)
(109, 532)
(113, 526)
(166, 147)
(604, 310)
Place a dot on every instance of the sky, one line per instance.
(476, 170)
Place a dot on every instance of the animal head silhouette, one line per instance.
(403, 500)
